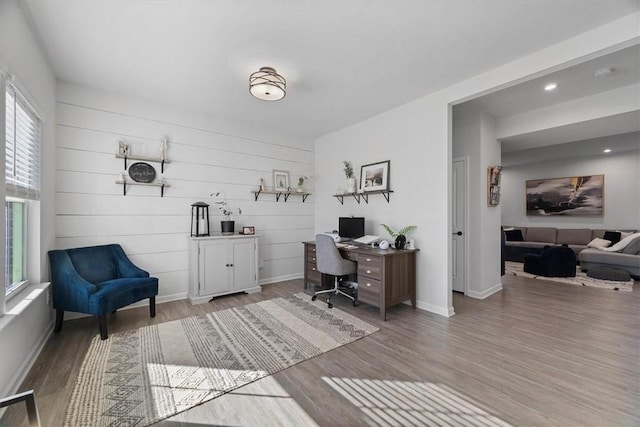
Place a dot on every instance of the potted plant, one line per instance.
(400, 236)
(227, 226)
(301, 181)
(351, 181)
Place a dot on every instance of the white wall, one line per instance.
(206, 156)
(474, 136)
(24, 329)
(417, 138)
(621, 191)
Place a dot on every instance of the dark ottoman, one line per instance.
(554, 261)
(608, 273)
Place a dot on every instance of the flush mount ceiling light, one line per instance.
(267, 85)
(604, 72)
(550, 86)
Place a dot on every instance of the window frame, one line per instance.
(13, 291)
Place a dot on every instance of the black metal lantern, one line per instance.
(199, 219)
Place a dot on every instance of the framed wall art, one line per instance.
(375, 176)
(280, 180)
(570, 196)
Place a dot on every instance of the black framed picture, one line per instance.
(248, 230)
(375, 176)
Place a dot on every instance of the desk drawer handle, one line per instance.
(368, 271)
(313, 250)
(313, 259)
(313, 269)
(369, 284)
(368, 259)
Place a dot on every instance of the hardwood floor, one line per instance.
(534, 354)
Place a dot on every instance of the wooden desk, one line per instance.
(385, 277)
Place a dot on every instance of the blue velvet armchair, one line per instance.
(98, 280)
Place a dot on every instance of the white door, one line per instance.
(214, 267)
(244, 263)
(458, 222)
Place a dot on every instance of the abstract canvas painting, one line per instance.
(577, 195)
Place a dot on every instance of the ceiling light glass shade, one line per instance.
(267, 85)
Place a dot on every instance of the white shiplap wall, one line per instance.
(206, 156)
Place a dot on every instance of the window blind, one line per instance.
(22, 155)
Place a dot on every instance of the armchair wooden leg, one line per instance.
(152, 306)
(59, 319)
(102, 320)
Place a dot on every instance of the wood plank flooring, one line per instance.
(536, 353)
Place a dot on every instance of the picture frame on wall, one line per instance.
(280, 180)
(375, 176)
(568, 196)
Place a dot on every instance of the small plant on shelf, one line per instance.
(223, 205)
(301, 180)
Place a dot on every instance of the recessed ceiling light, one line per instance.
(550, 86)
(607, 150)
(604, 72)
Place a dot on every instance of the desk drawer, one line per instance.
(311, 252)
(369, 291)
(349, 255)
(313, 275)
(311, 256)
(370, 266)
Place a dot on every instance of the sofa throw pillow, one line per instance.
(599, 243)
(624, 234)
(514, 236)
(632, 248)
(613, 236)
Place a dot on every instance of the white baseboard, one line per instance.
(23, 370)
(281, 278)
(482, 295)
(442, 311)
(70, 315)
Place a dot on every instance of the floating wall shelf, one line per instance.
(149, 184)
(286, 194)
(364, 196)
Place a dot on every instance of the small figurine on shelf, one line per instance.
(163, 148)
(262, 188)
(123, 148)
(122, 177)
(162, 181)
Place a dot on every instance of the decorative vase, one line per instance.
(351, 185)
(401, 240)
(300, 189)
(227, 227)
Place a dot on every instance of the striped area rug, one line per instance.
(139, 377)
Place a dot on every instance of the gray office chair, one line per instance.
(331, 262)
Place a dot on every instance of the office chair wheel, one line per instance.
(313, 298)
(329, 304)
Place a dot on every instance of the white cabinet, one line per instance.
(220, 265)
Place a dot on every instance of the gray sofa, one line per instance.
(536, 238)
(628, 259)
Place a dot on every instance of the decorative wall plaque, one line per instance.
(142, 172)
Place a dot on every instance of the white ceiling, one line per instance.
(343, 61)
(574, 82)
